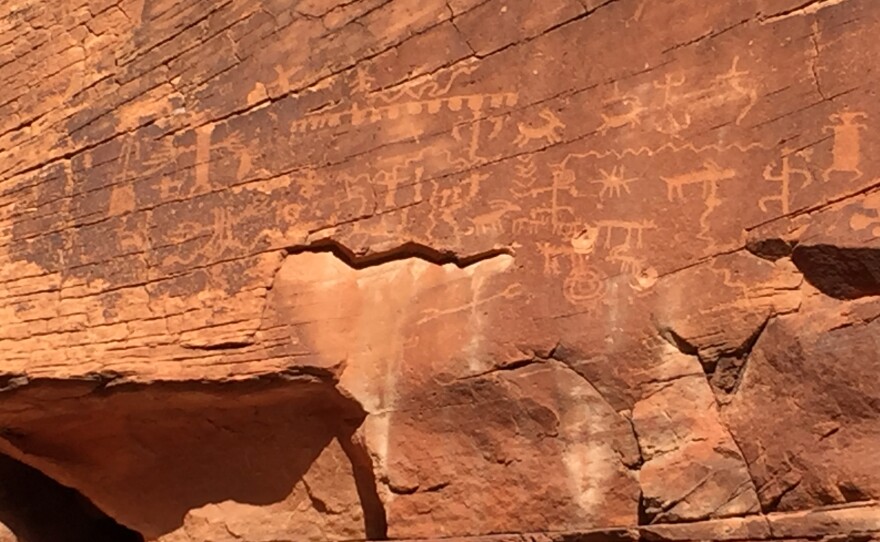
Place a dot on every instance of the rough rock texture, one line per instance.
(487, 270)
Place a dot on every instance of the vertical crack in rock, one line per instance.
(679, 427)
(375, 519)
(728, 369)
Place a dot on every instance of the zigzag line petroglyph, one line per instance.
(674, 147)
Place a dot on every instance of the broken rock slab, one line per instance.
(693, 469)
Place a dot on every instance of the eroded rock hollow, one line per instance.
(487, 270)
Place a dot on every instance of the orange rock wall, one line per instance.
(421, 269)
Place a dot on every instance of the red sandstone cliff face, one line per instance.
(415, 269)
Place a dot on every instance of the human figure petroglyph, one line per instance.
(473, 156)
(552, 252)
(672, 125)
(547, 131)
(614, 183)
(359, 190)
(735, 80)
(729, 88)
(427, 86)
(709, 176)
(787, 173)
(846, 151)
(363, 82)
(492, 222)
(446, 201)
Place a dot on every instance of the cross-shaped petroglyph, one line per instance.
(558, 216)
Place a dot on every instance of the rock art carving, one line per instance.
(358, 114)
(493, 221)
(547, 131)
(846, 152)
(786, 175)
(869, 217)
(709, 177)
(583, 284)
(179, 347)
(555, 214)
(612, 184)
(626, 111)
(672, 125)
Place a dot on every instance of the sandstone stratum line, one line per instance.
(424, 270)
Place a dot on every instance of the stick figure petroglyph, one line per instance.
(734, 79)
(672, 125)
(547, 131)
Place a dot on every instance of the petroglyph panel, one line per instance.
(555, 186)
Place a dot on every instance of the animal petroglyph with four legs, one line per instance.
(547, 131)
(709, 176)
(629, 117)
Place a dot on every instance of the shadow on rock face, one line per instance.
(840, 272)
(202, 459)
(36, 508)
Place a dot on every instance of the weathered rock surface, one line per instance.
(493, 270)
